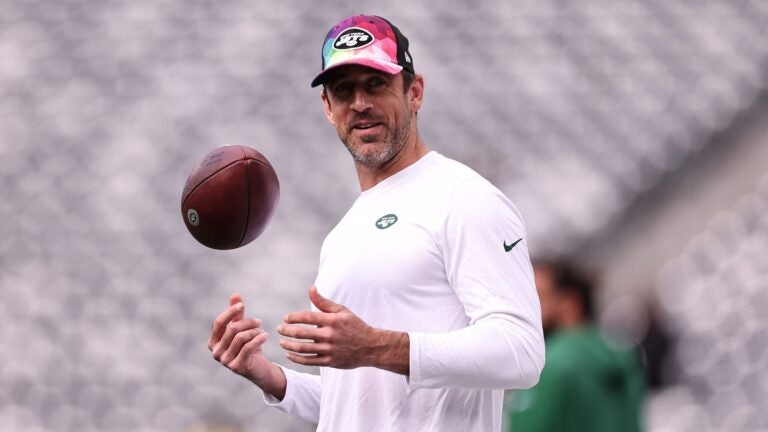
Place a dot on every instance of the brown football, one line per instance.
(230, 197)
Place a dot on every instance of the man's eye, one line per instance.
(341, 88)
(377, 83)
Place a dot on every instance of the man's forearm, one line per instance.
(493, 354)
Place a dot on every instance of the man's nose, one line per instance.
(360, 100)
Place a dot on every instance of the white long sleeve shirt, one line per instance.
(436, 251)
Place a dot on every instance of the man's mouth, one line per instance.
(365, 125)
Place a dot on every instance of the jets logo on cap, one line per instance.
(352, 38)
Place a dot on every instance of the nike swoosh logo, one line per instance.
(508, 248)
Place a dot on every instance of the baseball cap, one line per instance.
(365, 40)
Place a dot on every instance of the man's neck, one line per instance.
(371, 176)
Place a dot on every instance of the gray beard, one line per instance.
(395, 143)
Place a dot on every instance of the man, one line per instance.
(424, 306)
(589, 383)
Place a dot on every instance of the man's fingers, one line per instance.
(305, 347)
(242, 363)
(221, 322)
(254, 344)
(235, 299)
(231, 330)
(297, 332)
(309, 360)
(307, 317)
(240, 339)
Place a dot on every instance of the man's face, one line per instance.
(548, 296)
(371, 112)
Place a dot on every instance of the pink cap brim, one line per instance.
(380, 65)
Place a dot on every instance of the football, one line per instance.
(229, 197)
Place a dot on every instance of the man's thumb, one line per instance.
(322, 303)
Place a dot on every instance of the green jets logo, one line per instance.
(386, 221)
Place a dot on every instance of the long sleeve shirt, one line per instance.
(440, 253)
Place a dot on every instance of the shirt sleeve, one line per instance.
(489, 268)
(302, 396)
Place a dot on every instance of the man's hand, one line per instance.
(340, 339)
(236, 343)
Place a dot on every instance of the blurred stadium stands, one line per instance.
(719, 319)
(587, 114)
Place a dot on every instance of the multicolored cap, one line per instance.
(365, 40)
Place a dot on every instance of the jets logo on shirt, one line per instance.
(352, 38)
(386, 221)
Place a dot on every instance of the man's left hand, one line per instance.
(338, 338)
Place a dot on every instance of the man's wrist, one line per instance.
(275, 383)
(392, 351)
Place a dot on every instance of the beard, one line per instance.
(377, 156)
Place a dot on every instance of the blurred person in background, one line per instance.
(425, 307)
(656, 344)
(589, 384)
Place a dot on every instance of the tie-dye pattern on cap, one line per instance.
(364, 40)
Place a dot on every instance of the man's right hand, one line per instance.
(236, 343)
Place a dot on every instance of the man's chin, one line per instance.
(369, 154)
(369, 159)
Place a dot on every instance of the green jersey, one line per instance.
(588, 385)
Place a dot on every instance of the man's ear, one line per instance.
(416, 93)
(327, 106)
